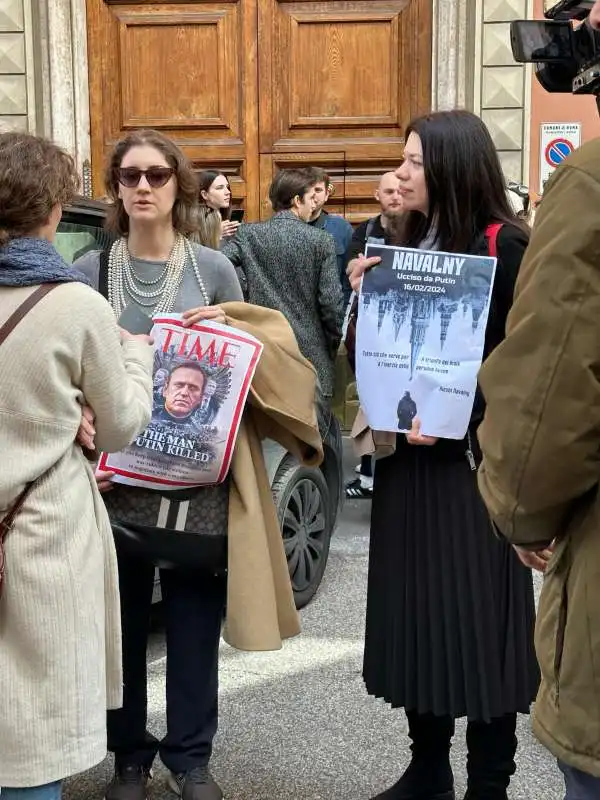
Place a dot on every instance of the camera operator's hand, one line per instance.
(594, 17)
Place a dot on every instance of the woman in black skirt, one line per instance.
(450, 609)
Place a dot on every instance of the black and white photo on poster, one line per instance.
(420, 338)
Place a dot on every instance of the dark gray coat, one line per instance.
(290, 266)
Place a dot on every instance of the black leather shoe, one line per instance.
(197, 784)
(396, 792)
(129, 783)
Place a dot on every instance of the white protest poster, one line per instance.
(202, 376)
(420, 338)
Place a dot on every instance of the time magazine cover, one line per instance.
(202, 376)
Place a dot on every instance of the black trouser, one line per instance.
(193, 608)
(490, 762)
(366, 466)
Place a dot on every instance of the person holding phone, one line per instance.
(209, 228)
(215, 192)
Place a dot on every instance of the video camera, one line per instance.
(566, 54)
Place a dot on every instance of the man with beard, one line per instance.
(378, 229)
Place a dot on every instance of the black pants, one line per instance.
(490, 762)
(193, 607)
(366, 466)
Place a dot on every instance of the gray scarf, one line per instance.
(29, 261)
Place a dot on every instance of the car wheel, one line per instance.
(304, 509)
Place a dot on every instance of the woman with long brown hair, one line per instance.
(215, 192)
(156, 267)
(450, 610)
(209, 228)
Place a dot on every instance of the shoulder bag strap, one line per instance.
(5, 331)
(492, 232)
(25, 307)
(370, 226)
(103, 273)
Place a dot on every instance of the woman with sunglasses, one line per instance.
(215, 192)
(155, 267)
(450, 608)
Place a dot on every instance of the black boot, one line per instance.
(491, 759)
(429, 775)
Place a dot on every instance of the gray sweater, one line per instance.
(207, 510)
(218, 274)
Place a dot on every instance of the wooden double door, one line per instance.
(252, 86)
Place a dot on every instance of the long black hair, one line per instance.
(206, 178)
(464, 180)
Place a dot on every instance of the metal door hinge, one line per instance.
(86, 183)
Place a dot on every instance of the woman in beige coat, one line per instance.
(60, 647)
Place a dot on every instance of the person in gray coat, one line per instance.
(287, 265)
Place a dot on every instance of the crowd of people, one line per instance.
(456, 526)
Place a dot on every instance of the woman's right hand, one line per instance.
(229, 228)
(87, 431)
(104, 480)
(357, 268)
(417, 438)
(533, 559)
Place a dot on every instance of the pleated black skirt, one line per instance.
(450, 608)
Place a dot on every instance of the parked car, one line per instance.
(308, 499)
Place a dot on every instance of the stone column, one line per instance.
(453, 48)
(17, 112)
(63, 71)
(504, 88)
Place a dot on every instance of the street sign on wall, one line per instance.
(557, 141)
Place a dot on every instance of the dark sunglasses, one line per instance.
(156, 176)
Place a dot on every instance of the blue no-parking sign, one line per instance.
(557, 141)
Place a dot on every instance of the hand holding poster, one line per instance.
(202, 376)
(420, 338)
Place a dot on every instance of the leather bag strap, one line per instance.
(5, 331)
(7, 523)
(25, 307)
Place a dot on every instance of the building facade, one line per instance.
(250, 86)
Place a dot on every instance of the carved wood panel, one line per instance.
(344, 75)
(344, 78)
(354, 180)
(184, 69)
(333, 82)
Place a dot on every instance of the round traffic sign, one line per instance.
(557, 150)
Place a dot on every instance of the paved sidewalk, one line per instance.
(299, 724)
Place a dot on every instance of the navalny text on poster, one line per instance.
(420, 337)
(202, 376)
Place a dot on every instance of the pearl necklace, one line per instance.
(122, 277)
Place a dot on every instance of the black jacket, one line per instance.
(370, 228)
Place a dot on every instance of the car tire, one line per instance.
(304, 510)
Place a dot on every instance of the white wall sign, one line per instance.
(557, 141)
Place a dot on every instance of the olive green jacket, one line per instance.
(541, 444)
